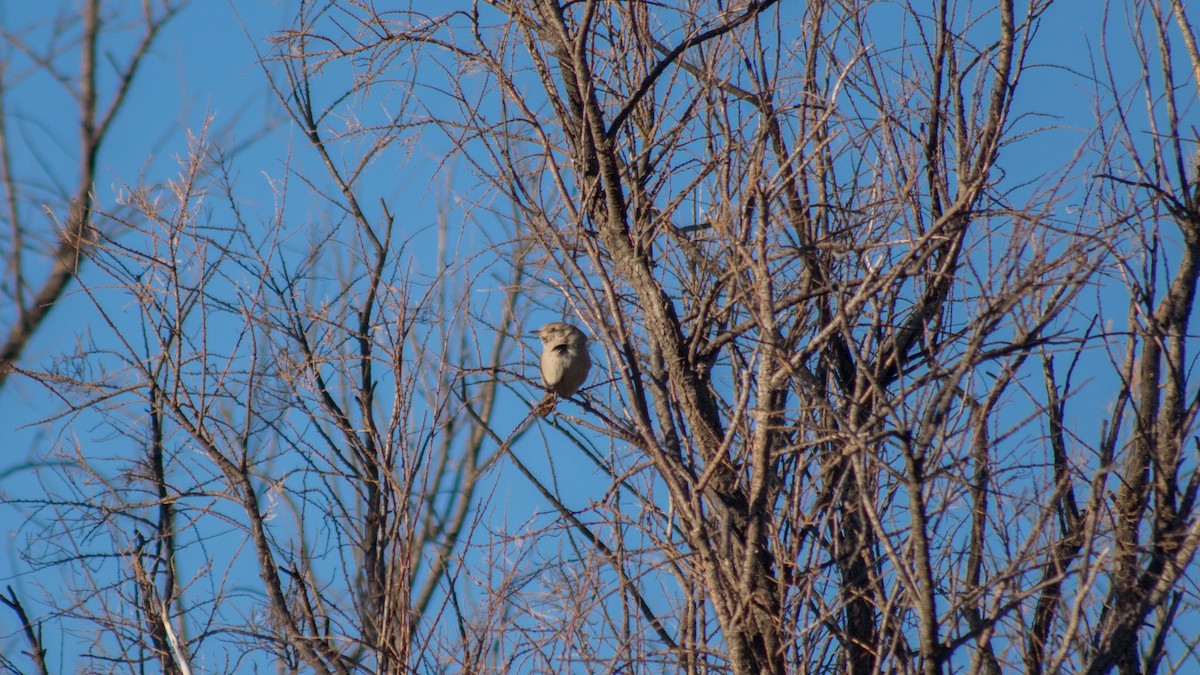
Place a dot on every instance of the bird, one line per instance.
(565, 362)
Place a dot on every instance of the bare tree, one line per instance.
(290, 423)
(869, 393)
(820, 301)
(290, 479)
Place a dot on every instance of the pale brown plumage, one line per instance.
(565, 361)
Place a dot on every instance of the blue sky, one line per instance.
(205, 66)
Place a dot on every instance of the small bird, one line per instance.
(565, 360)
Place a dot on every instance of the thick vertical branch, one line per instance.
(1149, 492)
